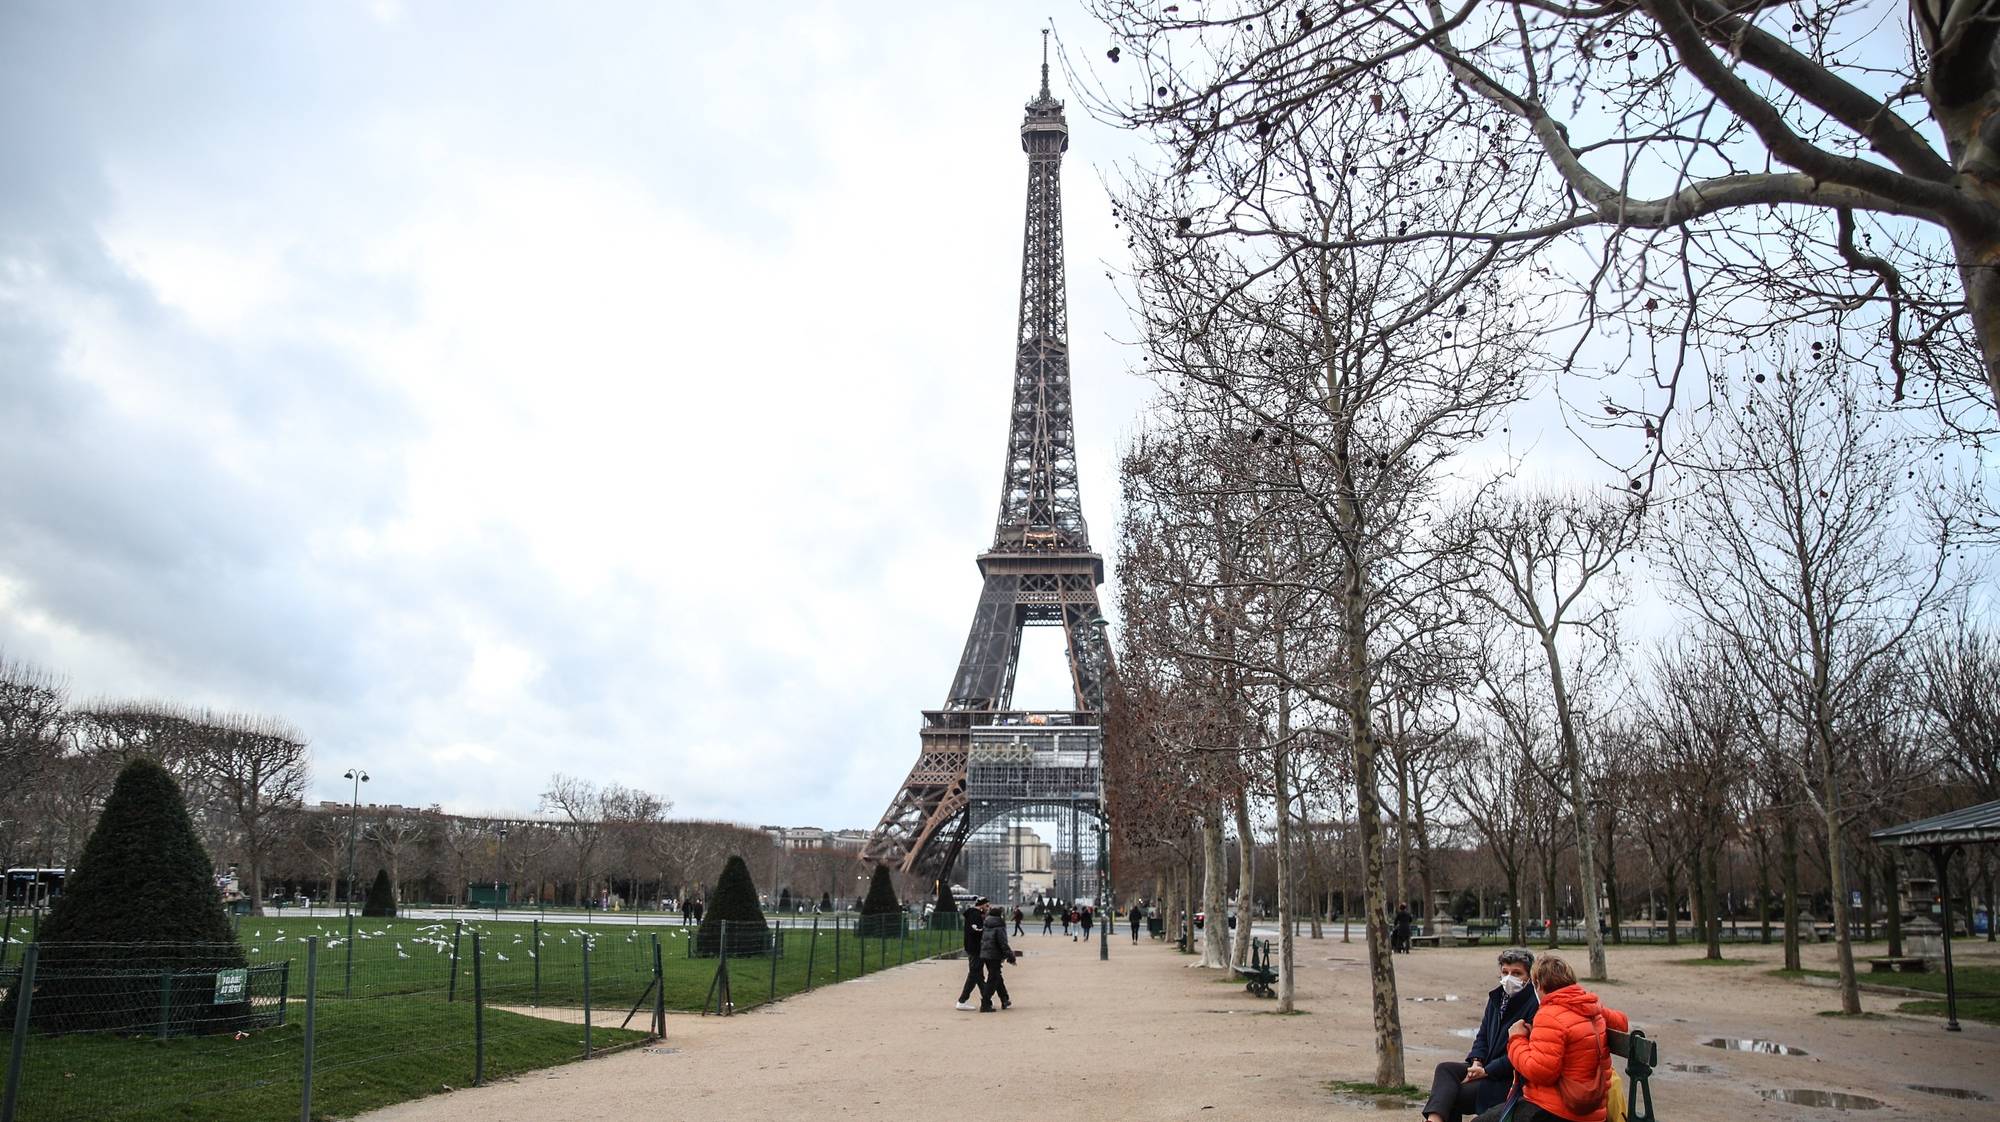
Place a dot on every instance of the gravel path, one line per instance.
(1145, 1037)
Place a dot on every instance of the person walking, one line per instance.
(975, 976)
(1048, 919)
(1069, 921)
(995, 952)
(1399, 935)
(1086, 920)
(1138, 917)
(1562, 1059)
(1017, 920)
(1482, 1081)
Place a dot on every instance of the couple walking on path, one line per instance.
(986, 953)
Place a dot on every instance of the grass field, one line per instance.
(395, 1020)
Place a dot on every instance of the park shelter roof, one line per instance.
(1971, 826)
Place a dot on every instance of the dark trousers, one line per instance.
(993, 983)
(1135, 932)
(974, 978)
(1524, 1111)
(1048, 924)
(1451, 1096)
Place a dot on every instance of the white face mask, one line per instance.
(1511, 984)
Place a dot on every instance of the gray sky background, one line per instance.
(495, 389)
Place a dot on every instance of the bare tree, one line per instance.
(1703, 174)
(253, 771)
(1802, 547)
(1544, 561)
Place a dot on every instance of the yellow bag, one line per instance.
(1614, 1099)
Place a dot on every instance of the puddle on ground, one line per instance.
(1692, 1069)
(1766, 1047)
(1833, 1100)
(1446, 997)
(1466, 1033)
(1952, 1092)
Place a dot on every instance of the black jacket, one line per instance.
(993, 945)
(1489, 1045)
(974, 918)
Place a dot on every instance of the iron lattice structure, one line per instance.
(1040, 570)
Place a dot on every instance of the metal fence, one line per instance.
(299, 1018)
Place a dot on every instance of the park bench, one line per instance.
(1641, 1055)
(1427, 940)
(1908, 964)
(1258, 970)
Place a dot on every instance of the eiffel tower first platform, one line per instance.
(980, 759)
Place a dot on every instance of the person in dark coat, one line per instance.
(975, 970)
(1482, 1081)
(1017, 921)
(1399, 935)
(1138, 917)
(1086, 919)
(995, 952)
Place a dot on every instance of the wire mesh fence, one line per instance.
(310, 1017)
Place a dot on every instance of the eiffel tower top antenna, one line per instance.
(1045, 62)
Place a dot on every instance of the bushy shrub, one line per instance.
(381, 899)
(734, 899)
(142, 905)
(881, 913)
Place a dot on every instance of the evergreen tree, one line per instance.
(881, 912)
(944, 911)
(381, 900)
(141, 903)
(734, 899)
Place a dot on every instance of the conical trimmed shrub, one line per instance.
(734, 899)
(881, 913)
(139, 933)
(381, 899)
(944, 910)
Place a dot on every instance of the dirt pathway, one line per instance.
(1145, 1037)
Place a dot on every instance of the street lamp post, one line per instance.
(1097, 624)
(499, 869)
(347, 901)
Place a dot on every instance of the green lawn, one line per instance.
(402, 1026)
(370, 1054)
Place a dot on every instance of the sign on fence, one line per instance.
(231, 986)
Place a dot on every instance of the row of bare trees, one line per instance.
(1753, 275)
(246, 780)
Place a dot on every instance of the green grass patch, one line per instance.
(369, 1054)
(1355, 1087)
(1985, 1010)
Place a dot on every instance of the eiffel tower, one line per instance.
(1040, 570)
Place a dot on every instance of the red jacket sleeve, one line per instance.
(1537, 1056)
(1613, 1019)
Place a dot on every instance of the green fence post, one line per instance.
(18, 1054)
(586, 997)
(166, 1001)
(535, 956)
(7, 935)
(451, 988)
(771, 952)
(902, 939)
(812, 954)
(836, 950)
(659, 992)
(478, 1013)
(347, 987)
(312, 1010)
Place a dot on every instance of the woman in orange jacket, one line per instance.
(1562, 1061)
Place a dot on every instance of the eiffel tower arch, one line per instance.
(1039, 572)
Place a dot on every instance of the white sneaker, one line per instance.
(966, 1006)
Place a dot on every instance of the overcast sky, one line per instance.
(492, 390)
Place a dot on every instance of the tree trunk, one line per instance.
(1673, 907)
(1788, 872)
(1315, 878)
(1514, 917)
(1239, 950)
(1836, 873)
(1403, 836)
(1367, 786)
(1611, 878)
(1710, 909)
(1282, 794)
(1214, 893)
(1429, 908)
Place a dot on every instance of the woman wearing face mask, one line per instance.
(1562, 1060)
(1459, 1089)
